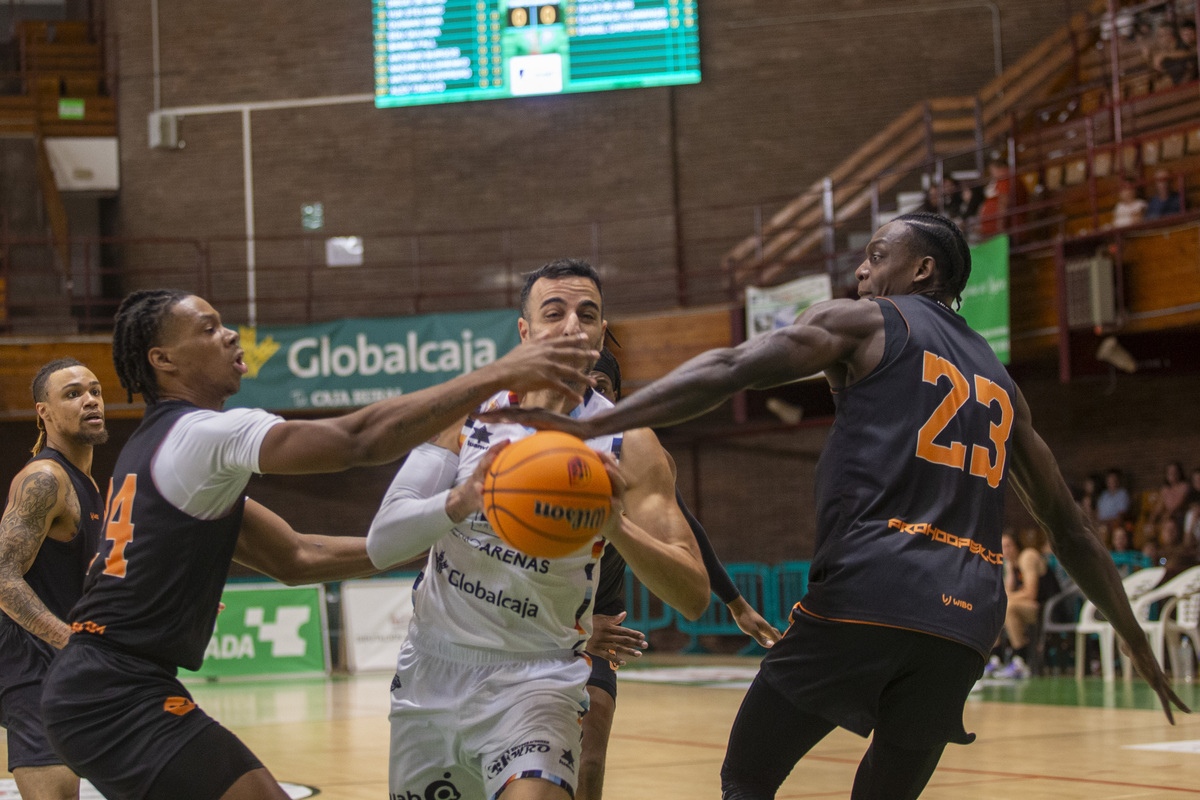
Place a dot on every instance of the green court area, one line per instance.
(1087, 693)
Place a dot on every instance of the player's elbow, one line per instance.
(694, 602)
(694, 610)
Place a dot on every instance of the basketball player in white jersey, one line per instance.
(490, 686)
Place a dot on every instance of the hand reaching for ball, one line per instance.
(619, 485)
(467, 498)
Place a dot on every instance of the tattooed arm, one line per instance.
(39, 497)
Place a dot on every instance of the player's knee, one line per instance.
(591, 779)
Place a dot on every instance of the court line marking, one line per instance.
(1186, 746)
(940, 770)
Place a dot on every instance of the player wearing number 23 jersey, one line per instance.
(906, 591)
(910, 485)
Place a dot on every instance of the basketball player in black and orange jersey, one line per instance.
(177, 515)
(906, 593)
(48, 535)
(612, 643)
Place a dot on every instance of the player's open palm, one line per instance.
(613, 642)
(559, 364)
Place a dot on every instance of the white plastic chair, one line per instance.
(1136, 585)
(1185, 584)
(1185, 623)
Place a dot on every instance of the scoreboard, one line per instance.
(446, 51)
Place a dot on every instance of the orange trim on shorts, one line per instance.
(876, 624)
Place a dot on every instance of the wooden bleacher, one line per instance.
(1053, 109)
(58, 61)
(61, 92)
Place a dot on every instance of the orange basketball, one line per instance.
(547, 495)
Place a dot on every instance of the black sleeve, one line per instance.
(718, 578)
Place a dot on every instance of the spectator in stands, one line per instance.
(1171, 495)
(1003, 191)
(961, 202)
(1173, 61)
(1178, 552)
(1121, 541)
(1187, 35)
(1143, 34)
(1130, 209)
(1113, 503)
(1087, 498)
(932, 204)
(1193, 495)
(1191, 505)
(1123, 552)
(1029, 583)
(1152, 552)
(1165, 201)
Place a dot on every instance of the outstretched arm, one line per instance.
(37, 497)
(747, 618)
(1040, 485)
(652, 535)
(384, 431)
(423, 502)
(834, 334)
(269, 544)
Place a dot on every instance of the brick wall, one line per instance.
(789, 89)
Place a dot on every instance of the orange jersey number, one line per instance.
(118, 526)
(955, 454)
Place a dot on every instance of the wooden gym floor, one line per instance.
(1042, 738)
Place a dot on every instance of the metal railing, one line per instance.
(402, 273)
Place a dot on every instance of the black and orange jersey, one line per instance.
(910, 486)
(155, 586)
(56, 575)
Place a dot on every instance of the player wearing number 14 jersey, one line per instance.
(906, 589)
(177, 515)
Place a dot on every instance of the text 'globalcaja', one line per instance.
(313, 357)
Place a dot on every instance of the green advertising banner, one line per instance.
(354, 362)
(268, 629)
(985, 300)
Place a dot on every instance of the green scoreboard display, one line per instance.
(446, 51)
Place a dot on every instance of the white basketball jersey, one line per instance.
(478, 592)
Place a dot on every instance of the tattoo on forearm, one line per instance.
(22, 530)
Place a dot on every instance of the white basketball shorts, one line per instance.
(466, 723)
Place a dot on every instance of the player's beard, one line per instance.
(91, 438)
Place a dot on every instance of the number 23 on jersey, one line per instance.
(955, 454)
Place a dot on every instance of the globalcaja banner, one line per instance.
(268, 629)
(354, 362)
(985, 300)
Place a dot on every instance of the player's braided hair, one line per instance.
(136, 329)
(560, 268)
(607, 364)
(38, 389)
(937, 236)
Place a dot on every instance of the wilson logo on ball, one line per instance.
(575, 517)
